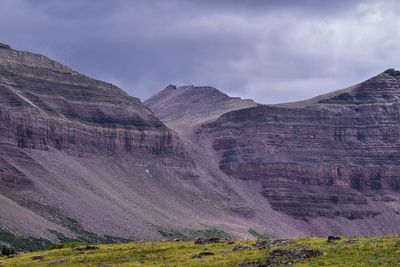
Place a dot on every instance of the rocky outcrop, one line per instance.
(47, 105)
(4, 46)
(324, 158)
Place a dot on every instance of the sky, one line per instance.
(270, 51)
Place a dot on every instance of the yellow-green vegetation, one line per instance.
(382, 251)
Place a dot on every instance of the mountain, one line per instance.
(329, 162)
(81, 159)
(332, 161)
(74, 151)
(193, 104)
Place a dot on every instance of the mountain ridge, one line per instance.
(175, 105)
(325, 160)
(315, 100)
(340, 150)
(80, 159)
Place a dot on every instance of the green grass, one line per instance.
(191, 234)
(65, 245)
(258, 235)
(382, 251)
(22, 243)
(56, 216)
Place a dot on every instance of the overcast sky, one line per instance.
(270, 51)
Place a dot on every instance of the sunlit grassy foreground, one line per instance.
(383, 251)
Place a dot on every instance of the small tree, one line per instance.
(7, 251)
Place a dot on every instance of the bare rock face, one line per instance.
(322, 166)
(325, 158)
(78, 153)
(79, 158)
(47, 105)
(4, 46)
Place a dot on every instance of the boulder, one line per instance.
(39, 258)
(284, 257)
(240, 247)
(267, 244)
(58, 261)
(333, 238)
(204, 254)
(207, 240)
(86, 247)
(199, 241)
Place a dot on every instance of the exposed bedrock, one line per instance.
(45, 105)
(77, 150)
(325, 158)
(80, 158)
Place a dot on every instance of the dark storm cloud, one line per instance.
(271, 51)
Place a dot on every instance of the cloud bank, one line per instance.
(270, 51)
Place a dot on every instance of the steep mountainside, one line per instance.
(323, 165)
(81, 159)
(330, 160)
(56, 126)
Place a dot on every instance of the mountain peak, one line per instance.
(11, 58)
(384, 87)
(170, 87)
(193, 103)
(203, 91)
(57, 90)
(5, 46)
(392, 72)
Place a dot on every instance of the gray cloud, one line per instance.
(271, 51)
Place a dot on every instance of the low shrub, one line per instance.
(7, 251)
(65, 245)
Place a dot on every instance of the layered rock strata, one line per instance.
(47, 105)
(326, 158)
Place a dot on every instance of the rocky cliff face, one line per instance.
(80, 158)
(55, 121)
(47, 105)
(334, 157)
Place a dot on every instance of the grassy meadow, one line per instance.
(380, 251)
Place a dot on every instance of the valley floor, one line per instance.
(380, 251)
